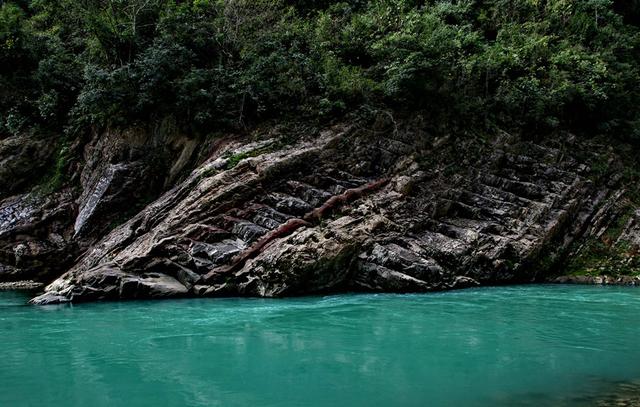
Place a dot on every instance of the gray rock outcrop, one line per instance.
(351, 209)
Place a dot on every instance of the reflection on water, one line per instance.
(518, 346)
(623, 394)
(598, 392)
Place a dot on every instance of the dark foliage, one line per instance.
(529, 65)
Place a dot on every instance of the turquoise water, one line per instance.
(529, 346)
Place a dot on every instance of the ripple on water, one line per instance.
(507, 346)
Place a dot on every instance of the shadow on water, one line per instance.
(601, 392)
(16, 298)
(619, 393)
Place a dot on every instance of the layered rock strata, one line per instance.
(390, 210)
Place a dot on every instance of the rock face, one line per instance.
(123, 170)
(35, 239)
(23, 159)
(112, 177)
(389, 209)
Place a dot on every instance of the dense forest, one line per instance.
(538, 66)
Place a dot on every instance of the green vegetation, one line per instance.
(524, 65)
(598, 259)
(608, 255)
(234, 159)
(56, 176)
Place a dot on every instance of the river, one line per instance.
(506, 346)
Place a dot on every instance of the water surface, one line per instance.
(529, 346)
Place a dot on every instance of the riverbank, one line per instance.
(374, 206)
(21, 285)
(597, 280)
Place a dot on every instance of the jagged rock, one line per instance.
(631, 232)
(35, 237)
(50, 299)
(109, 282)
(21, 285)
(248, 231)
(42, 233)
(345, 210)
(23, 160)
(218, 253)
(269, 218)
(123, 169)
(289, 204)
(307, 261)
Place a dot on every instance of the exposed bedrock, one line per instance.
(35, 239)
(23, 160)
(389, 209)
(125, 170)
(110, 178)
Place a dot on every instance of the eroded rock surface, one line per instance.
(351, 209)
(35, 239)
(107, 180)
(23, 160)
(124, 170)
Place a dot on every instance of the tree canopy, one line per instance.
(528, 65)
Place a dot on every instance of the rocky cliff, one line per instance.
(383, 207)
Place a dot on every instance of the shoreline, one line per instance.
(605, 280)
(20, 285)
(597, 280)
